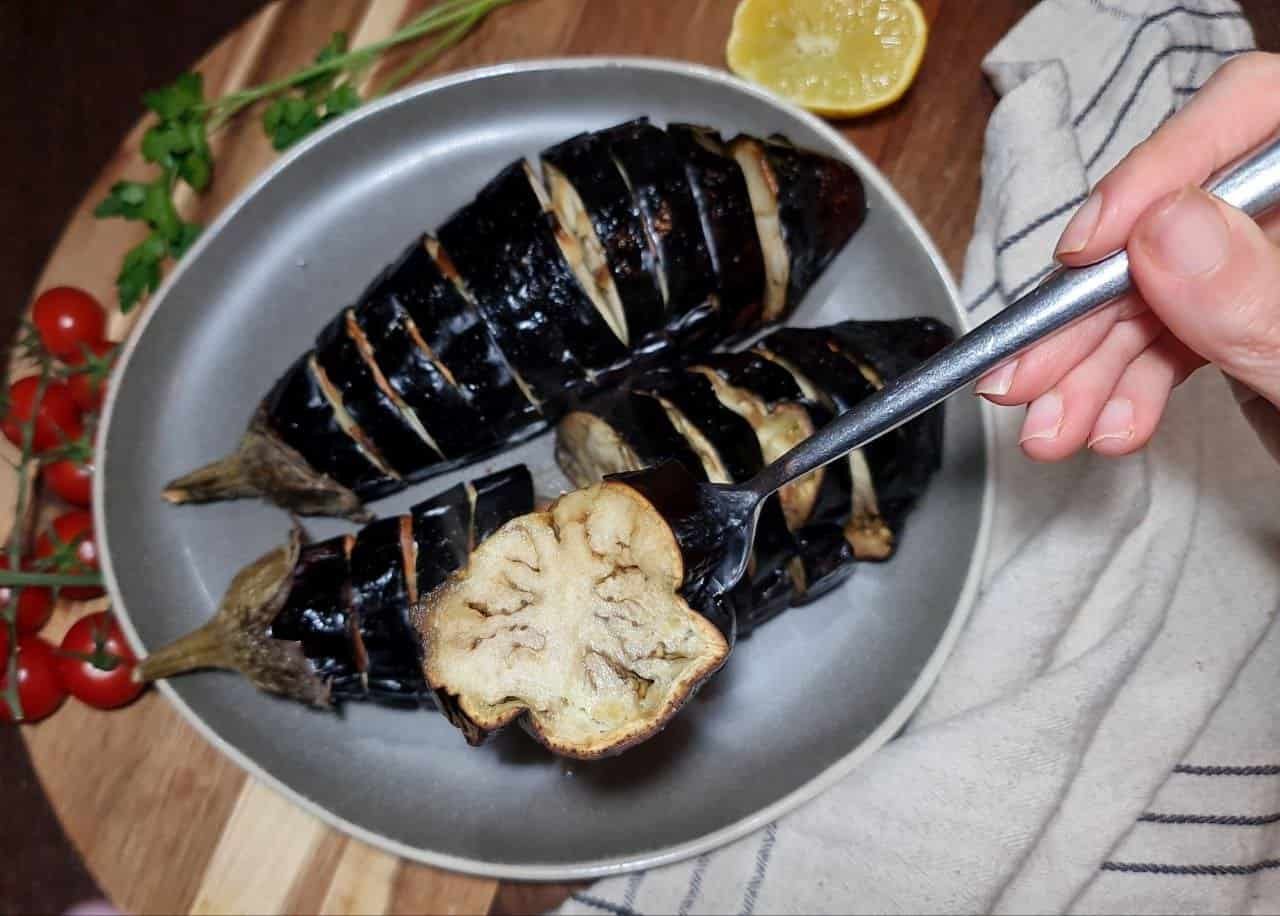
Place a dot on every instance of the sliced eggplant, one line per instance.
(728, 223)
(423, 384)
(821, 204)
(383, 590)
(442, 533)
(766, 397)
(903, 462)
(372, 404)
(500, 497)
(571, 621)
(592, 199)
(619, 431)
(826, 374)
(807, 206)
(319, 618)
(654, 172)
(426, 286)
(505, 249)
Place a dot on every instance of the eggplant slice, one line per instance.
(655, 174)
(505, 249)
(571, 620)
(592, 199)
(806, 205)
(728, 223)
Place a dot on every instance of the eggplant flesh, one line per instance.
(591, 197)
(724, 205)
(504, 247)
(571, 621)
(370, 402)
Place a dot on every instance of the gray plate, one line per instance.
(800, 702)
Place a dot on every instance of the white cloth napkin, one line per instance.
(1105, 736)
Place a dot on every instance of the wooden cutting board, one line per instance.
(165, 822)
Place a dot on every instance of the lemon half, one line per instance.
(833, 57)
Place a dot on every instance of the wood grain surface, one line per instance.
(164, 822)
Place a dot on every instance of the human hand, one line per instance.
(1206, 280)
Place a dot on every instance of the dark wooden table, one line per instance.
(73, 73)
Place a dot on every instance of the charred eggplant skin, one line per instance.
(905, 461)
(766, 380)
(423, 384)
(454, 332)
(821, 204)
(442, 533)
(317, 615)
(370, 407)
(380, 602)
(587, 164)
(297, 411)
(500, 497)
(656, 175)
(724, 206)
(503, 246)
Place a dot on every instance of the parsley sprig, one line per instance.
(299, 104)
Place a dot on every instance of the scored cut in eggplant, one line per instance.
(806, 205)
(382, 594)
(654, 172)
(728, 222)
(369, 400)
(766, 397)
(592, 199)
(299, 411)
(618, 431)
(506, 252)
(904, 461)
(571, 621)
(813, 358)
(422, 383)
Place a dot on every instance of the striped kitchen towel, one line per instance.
(1104, 737)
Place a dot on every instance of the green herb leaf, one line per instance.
(341, 100)
(185, 95)
(158, 210)
(186, 238)
(124, 200)
(140, 272)
(316, 85)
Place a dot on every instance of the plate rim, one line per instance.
(600, 868)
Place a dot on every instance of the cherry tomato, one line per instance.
(40, 691)
(70, 548)
(57, 418)
(35, 602)
(90, 385)
(71, 480)
(67, 319)
(96, 664)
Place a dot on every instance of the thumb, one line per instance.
(1213, 277)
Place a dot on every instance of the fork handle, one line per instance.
(1065, 296)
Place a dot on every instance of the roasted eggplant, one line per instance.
(724, 205)
(806, 205)
(572, 621)
(654, 171)
(333, 621)
(591, 198)
(650, 246)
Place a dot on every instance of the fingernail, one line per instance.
(1115, 422)
(1187, 236)
(1044, 418)
(1081, 227)
(999, 382)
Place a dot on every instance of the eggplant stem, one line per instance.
(221, 479)
(202, 648)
